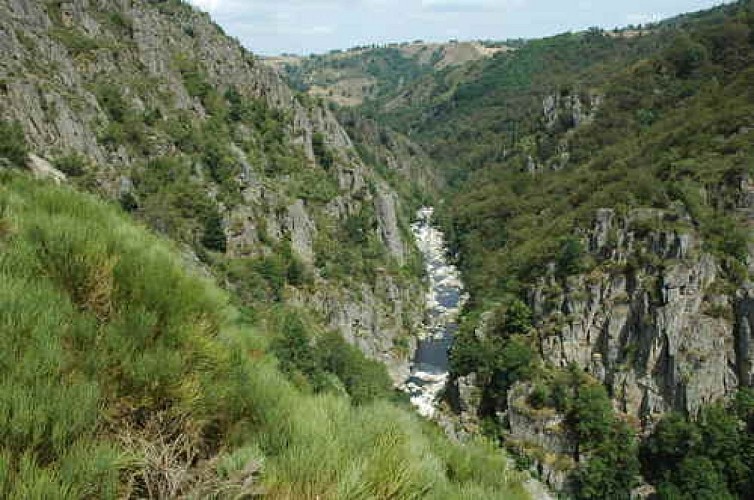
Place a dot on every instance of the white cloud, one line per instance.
(461, 5)
(644, 18)
(208, 5)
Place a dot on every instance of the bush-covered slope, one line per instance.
(125, 374)
(670, 126)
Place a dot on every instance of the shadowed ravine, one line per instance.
(444, 300)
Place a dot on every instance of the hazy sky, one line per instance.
(272, 27)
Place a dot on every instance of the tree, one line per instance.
(698, 479)
(237, 111)
(321, 151)
(363, 379)
(590, 414)
(214, 234)
(685, 55)
(293, 348)
(571, 257)
(465, 356)
(518, 319)
(709, 458)
(514, 362)
(111, 100)
(128, 202)
(673, 439)
(612, 467)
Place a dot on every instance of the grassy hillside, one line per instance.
(126, 373)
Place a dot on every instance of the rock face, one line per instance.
(654, 320)
(657, 320)
(124, 82)
(562, 112)
(648, 321)
(301, 230)
(84, 44)
(42, 169)
(569, 109)
(394, 150)
(385, 205)
(542, 434)
(379, 318)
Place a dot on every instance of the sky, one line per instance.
(273, 27)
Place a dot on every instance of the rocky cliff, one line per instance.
(651, 321)
(150, 103)
(658, 319)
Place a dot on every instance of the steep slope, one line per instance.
(151, 104)
(629, 239)
(127, 374)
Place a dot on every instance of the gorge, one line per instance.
(217, 268)
(445, 298)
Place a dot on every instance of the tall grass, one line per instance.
(125, 374)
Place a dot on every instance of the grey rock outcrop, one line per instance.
(570, 109)
(385, 202)
(43, 169)
(744, 340)
(376, 318)
(301, 230)
(543, 434)
(658, 337)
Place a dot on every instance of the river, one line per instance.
(444, 299)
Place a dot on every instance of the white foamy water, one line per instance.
(444, 301)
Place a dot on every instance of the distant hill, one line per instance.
(349, 77)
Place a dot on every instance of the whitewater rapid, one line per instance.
(444, 299)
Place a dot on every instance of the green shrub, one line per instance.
(194, 78)
(214, 233)
(365, 380)
(13, 145)
(72, 165)
(571, 257)
(323, 154)
(75, 41)
(685, 56)
(706, 458)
